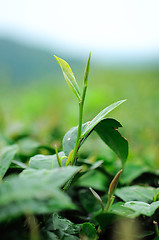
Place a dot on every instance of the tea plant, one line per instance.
(64, 195)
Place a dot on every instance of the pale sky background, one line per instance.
(114, 27)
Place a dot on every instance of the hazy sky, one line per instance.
(113, 26)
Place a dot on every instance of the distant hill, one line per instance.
(20, 63)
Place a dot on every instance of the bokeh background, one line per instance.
(123, 38)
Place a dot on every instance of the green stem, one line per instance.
(109, 203)
(156, 228)
(78, 139)
(58, 158)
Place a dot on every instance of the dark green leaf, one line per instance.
(105, 219)
(88, 232)
(6, 156)
(156, 238)
(89, 203)
(107, 130)
(94, 179)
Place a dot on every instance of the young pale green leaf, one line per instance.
(107, 130)
(46, 161)
(99, 117)
(87, 70)
(6, 156)
(69, 77)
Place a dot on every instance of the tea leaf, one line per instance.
(142, 208)
(99, 117)
(69, 139)
(97, 197)
(87, 70)
(107, 130)
(88, 232)
(132, 171)
(113, 184)
(35, 192)
(46, 161)
(69, 77)
(6, 156)
(136, 193)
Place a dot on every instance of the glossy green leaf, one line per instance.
(136, 193)
(35, 192)
(69, 77)
(107, 130)
(69, 139)
(142, 208)
(92, 124)
(46, 161)
(6, 156)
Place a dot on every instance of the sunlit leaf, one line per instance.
(69, 77)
